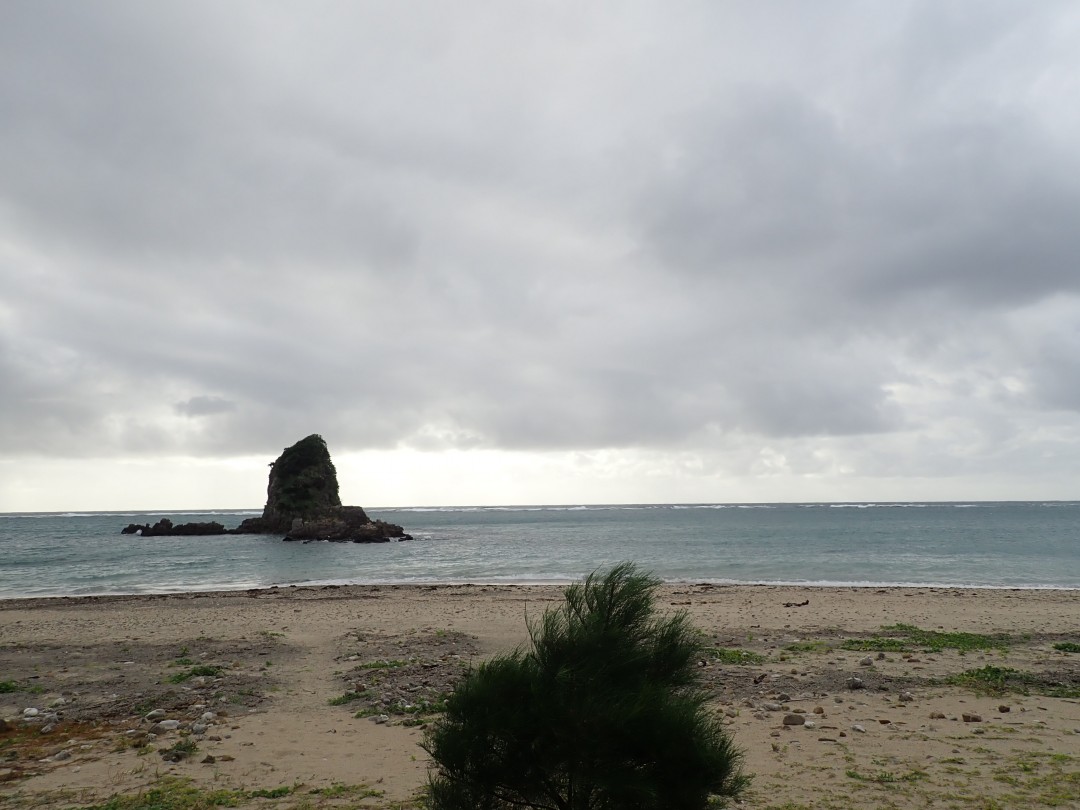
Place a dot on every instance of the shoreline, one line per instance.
(305, 686)
(34, 599)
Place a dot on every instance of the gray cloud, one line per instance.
(794, 226)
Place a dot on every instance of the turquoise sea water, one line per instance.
(951, 544)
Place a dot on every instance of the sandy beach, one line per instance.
(318, 697)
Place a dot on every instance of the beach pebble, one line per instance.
(859, 728)
(937, 716)
(783, 697)
(156, 714)
(794, 720)
(48, 729)
(1004, 709)
(810, 724)
(381, 719)
(208, 717)
(906, 697)
(199, 728)
(58, 703)
(866, 662)
(972, 718)
(855, 683)
(30, 711)
(772, 707)
(61, 756)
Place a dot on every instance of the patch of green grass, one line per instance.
(272, 793)
(174, 793)
(991, 680)
(731, 655)
(808, 646)
(1040, 780)
(1068, 646)
(202, 670)
(876, 644)
(392, 664)
(905, 637)
(886, 777)
(7, 687)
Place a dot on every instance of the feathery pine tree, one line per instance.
(602, 712)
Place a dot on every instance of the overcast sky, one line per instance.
(559, 252)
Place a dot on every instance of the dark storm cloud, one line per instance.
(225, 226)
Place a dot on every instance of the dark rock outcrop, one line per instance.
(303, 486)
(165, 528)
(302, 503)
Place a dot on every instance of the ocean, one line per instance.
(997, 545)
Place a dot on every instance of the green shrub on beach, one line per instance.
(601, 711)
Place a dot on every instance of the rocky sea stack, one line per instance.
(302, 502)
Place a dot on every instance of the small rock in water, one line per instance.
(794, 720)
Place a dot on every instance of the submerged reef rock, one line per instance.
(302, 502)
(165, 528)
